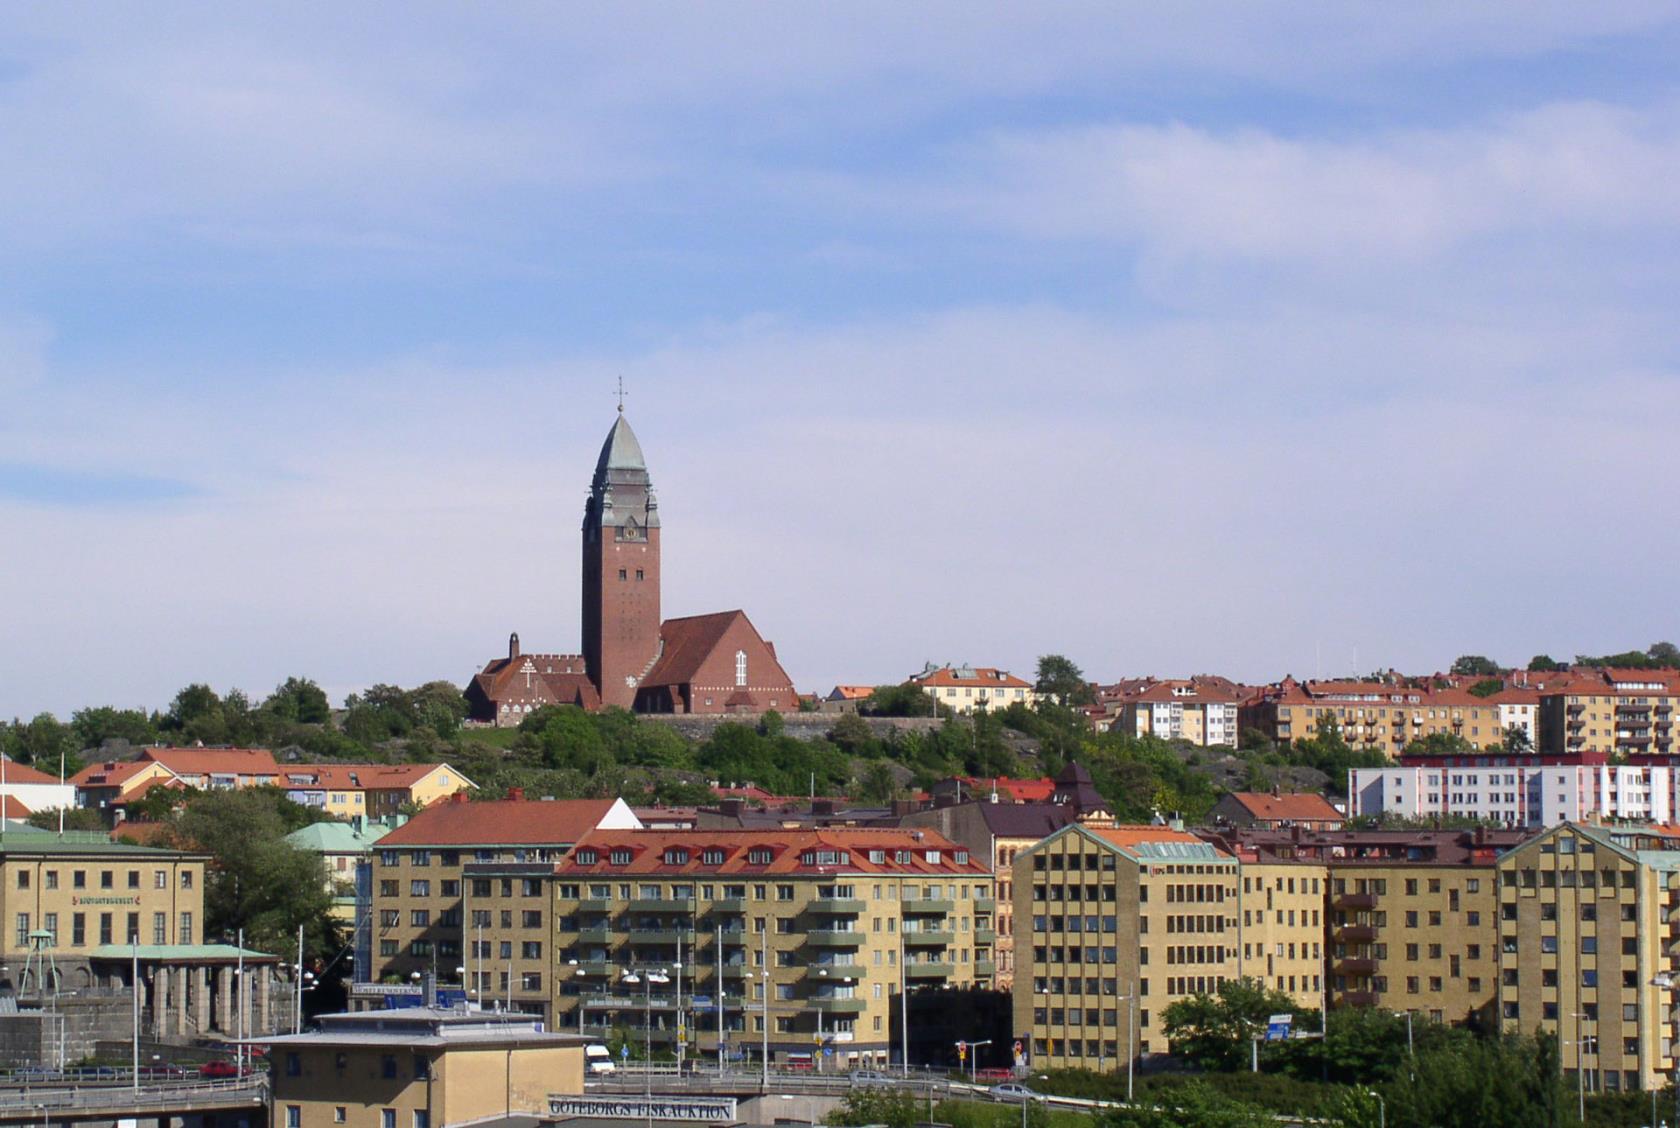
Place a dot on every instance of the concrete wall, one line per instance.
(35, 1037)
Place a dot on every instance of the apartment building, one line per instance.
(1533, 791)
(963, 689)
(1202, 711)
(1374, 714)
(109, 785)
(1587, 949)
(415, 909)
(1118, 922)
(1283, 924)
(1625, 712)
(371, 791)
(217, 769)
(806, 936)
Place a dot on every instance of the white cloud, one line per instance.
(1403, 195)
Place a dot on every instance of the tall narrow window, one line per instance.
(740, 667)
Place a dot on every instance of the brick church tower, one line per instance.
(620, 569)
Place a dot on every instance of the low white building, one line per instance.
(35, 790)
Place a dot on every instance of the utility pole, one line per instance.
(764, 1029)
(904, 1009)
(297, 988)
(719, 999)
(134, 978)
(681, 1030)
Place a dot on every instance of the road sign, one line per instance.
(624, 1051)
(1278, 1026)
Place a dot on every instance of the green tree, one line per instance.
(75, 818)
(1516, 741)
(1544, 664)
(905, 700)
(259, 881)
(94, 726)
(1214, 1031)
(41, 742)
(299, 701)
(1487, 687)
(1195, 1105)
(879, 784)
(1062, 681)
(196, 714)
(1327, 751)
(1475, 665)
(1664, 654)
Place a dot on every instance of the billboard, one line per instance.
(704, 1110)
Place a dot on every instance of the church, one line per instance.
(716, 663)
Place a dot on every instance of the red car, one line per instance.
(218, 1069)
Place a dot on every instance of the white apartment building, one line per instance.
(1518, 795)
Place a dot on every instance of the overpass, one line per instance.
(47, 1104)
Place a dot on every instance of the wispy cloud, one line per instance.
(58, 487)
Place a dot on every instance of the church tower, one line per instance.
(620, 569)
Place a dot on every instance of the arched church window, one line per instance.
(740, 667)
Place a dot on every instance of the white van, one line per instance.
(597, 1060)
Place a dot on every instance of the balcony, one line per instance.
(737, 971)
(1357, 966)
(929, 905)
(595, 967)
(1355, 933)
(985, 968)
(661, 905)
(985, 936)
(644, 937)
(840, 1006)
(928, 937)
(1574, 710)
(927, 969)
(1355, 901)
(595, 934)
(595, 905)
(1359, 998)
(729, 905)
(985, 904)
(834, 938)
(838, 906)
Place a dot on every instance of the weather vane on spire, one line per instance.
(621, 395)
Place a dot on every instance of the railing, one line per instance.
(195, 1093)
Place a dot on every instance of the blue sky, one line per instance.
(1236, 338)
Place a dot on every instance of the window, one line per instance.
(388, 1067)
(134, 879)
(23, 879)
(160, 879)
(78, 929)
(294, 1064)
(186, 930)
(105, 928)
(740, 667)
(107, 879)
(78, 879)
(160, 928)
(294, 1116)
(338, 1114)
(388, 1117)
(186, 879)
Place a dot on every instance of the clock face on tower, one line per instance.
(630, 680)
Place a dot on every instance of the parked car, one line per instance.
(1013, 1092)
(218, 1069)
(869, 1078)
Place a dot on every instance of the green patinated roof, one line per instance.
(176, 953)
(23, 839)
(337, 837)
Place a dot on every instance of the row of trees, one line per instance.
(1657, 656)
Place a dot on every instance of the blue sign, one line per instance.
(1278, 1027)
(624, 1051)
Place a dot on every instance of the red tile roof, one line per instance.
(10, 808)
(788, 848)
(983, 675)
(214, 761)
(111, 773)
(360, 777)
(23, 773)
(850, 692)
(496, 822)
(1298, 806)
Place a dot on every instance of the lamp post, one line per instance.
(1667, 982)
(1382, 1109)
(1131, 1036)
(1581, 1046)
(974, 1061)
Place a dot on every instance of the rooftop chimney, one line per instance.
(517, 794)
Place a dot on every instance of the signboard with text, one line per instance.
(704, 1110)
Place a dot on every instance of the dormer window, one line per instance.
(933, 857)
(620, 857)
(711, 856)
(760, 856)
(960, 857)
(676, 856)
(587, 857)
(902, 857)
(877, 856)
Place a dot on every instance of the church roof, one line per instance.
(688, 643)
(621, 451)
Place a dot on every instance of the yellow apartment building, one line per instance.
(807, 936)
(1630, 712)
(420, 1067)
(1118, 922)
(1587, 949)
(1283, 927)
(371, 791)
(1375, 715)
(416, 912)
(963, 689)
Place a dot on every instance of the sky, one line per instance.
(1254, 339)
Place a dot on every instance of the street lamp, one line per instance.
(1382, 1109)
(1667, 982)
(1131, 1035)
(1582, 1046)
